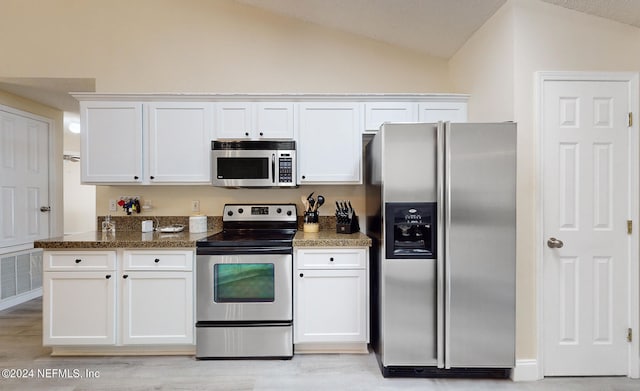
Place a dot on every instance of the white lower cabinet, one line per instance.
(79, 308)
(118, 297)
(157, 307)
(331, 299)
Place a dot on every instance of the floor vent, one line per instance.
(20, 277)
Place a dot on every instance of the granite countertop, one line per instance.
(122, 239)
(327, 238)
(135, 239)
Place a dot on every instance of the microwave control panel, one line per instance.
(285, 169)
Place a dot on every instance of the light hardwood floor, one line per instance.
(21, 349)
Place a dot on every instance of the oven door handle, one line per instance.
(242, 250)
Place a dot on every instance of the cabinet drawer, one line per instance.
(158, 260)
(79, 261)
(331, 259)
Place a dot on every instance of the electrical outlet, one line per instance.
(195, 206)
(113, 206)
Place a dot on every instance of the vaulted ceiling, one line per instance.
(434, 27)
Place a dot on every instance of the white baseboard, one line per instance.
(525, 370)
(15, 300)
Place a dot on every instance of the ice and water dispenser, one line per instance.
(411, 230)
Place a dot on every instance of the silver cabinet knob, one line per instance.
(555, 243)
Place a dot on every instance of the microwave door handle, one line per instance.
(273, 168)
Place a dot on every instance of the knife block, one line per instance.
(348, 228)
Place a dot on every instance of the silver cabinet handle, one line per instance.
(555, 243)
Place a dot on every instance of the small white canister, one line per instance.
(197, 224)
(147, 226)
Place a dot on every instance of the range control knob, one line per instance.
(240, 210)
(279, 210)
(288, 213)
(230, 213)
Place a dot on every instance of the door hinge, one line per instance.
(630, 119)
(629, 227)
(629, 335)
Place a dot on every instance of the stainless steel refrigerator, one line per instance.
(441, 208)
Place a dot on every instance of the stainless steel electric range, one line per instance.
(244, 284)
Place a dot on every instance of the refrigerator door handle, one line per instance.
(447, 245)
(440, 253)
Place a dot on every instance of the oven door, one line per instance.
(244, 287)
(243, 168)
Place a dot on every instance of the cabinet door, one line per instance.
(330, 143)
(377, 113)
(432, 112)
(234, 120)
(111, 142)
(330, 306)
(274, 120)
(157, 308)
(180, 142)
(79, 308)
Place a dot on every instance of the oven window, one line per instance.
(243, 283)
(243, 168)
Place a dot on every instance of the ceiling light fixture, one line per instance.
(74, 127)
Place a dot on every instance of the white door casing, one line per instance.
(24, 169)
(589, 191)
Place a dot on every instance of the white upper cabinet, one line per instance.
(166, 139)
(377, 113)
(254, 120)
(111, 142)
(179, 142)
(330, 143)
(156, 142)
(234, 120)
(275, 120)
(431, 112)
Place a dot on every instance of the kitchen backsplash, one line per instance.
(214, 223)
(134, 222)
(178, 200)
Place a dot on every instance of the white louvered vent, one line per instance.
(20, 276)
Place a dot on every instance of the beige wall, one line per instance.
(204, 46)
(484, 68)
(497, 67)
(201, 46)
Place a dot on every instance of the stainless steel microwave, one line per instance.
(253, 163)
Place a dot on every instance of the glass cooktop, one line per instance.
(249, 237)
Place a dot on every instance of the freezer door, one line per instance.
(480, 230)
(409, 162)
(409, 312)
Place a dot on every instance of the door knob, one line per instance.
(45, 208)
(555, 243)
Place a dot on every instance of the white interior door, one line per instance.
(24, 173)
(587, 151)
